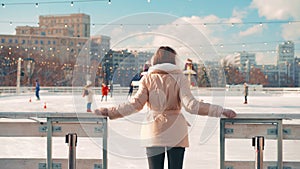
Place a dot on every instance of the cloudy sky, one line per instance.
(211, 28)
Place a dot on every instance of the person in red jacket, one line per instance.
(104, 91)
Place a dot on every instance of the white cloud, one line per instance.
(256, 29)
(277, 9)
(237, 16)
(281, 10)
(190, 37)
(291, 31)
(187, 35)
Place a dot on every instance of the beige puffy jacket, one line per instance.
(165, 89)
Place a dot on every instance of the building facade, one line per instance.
(59, 40)
(73, 25)
(121, 66)
(285, 63)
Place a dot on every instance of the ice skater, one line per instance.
(88, 93)
(130, 90)
(104, 91)
(246, 92)
(37, 89)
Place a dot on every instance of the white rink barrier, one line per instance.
(270, 126)
(236, 90)
(54, 125)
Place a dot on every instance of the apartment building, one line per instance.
(73, 25)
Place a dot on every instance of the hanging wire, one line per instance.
(48, 2)
(232, 24)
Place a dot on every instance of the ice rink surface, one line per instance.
(123, 140)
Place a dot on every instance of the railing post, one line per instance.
(258, 142)
(222, 144)
(104, 149)
(71, 139)
(49, 143)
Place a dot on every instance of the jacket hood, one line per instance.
(164, 67)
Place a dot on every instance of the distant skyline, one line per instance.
(280, 20)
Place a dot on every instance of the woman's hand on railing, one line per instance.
(101, 111)
(229, 113)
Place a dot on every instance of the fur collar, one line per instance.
(164, 67)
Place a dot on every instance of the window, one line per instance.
(23, 41)
(42, 42)
(10, 41)
(36, 42)
(3, 40)
(49, 42)
(54, 42)
(16, 40)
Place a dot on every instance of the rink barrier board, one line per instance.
(266, 165)
(269, 131)
(49, 124)
(36, 129)
(40, 163)
(246, 126)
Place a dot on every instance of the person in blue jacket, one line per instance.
(37, 89)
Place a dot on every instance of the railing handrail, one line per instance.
(14, 115)
(286, 116)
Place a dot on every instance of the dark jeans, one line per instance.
(103, 97)
(37, 94)
(156, 157)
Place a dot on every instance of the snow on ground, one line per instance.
(124, 149)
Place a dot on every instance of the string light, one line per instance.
(72, 3)
(176, 24)
(149, 1)
(48, 2)
(109, 2)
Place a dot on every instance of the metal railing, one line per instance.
(269, 126)
(121, 90)
(53, 124)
